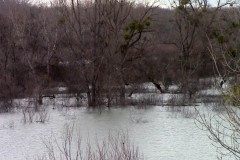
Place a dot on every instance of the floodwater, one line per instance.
(161, 133)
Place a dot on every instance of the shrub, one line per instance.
(114, 147)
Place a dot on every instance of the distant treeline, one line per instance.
(100, 47)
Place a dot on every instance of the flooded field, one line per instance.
(161, 133)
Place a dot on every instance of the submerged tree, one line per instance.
(99, 36)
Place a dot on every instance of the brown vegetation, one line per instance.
(98, 48)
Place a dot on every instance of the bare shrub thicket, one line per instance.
(6, 105)
(145, 100)
(223, 129)
(31, 115)
(178, 100)
(114, 147)
(43, 115)
(219, 36)
(28, 114)
(152, 99)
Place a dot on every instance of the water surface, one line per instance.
(161, 133)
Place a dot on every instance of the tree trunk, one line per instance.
(122, 95)
(78, 100)
(158, 86)
(89, 98)
(93, 94)
(40, 101)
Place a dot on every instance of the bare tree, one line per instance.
(220, 34)
(101, 36)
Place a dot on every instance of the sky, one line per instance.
(40, 1)
(163, 3)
